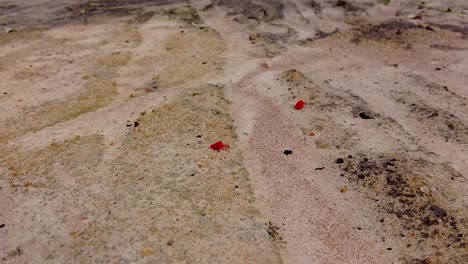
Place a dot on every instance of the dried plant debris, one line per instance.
(141, 17)
(186, 13)
(278, 38)
(395, 31)
(115, 8)
(265, 11)
(294, 76)
(437, 121)
(431, 227)
(321, 34)
(437, 90)
(447, 47)
(463, 30)
(441, 122)
(276, 43)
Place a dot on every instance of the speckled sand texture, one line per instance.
(108, 110)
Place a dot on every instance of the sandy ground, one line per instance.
(108, 109)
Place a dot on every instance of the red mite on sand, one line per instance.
(219, 146)
(299, 105)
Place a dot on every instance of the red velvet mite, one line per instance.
(219, 146)
(299, 105)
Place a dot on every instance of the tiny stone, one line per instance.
(287, 152)
(424, 189)
(339, 160)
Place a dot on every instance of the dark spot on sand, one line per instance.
(316, 6)
(364, 115)
(347, 6)
(273, 232)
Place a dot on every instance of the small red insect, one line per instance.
(299, 105)
(219, 146)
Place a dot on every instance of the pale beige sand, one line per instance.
(108, 109)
